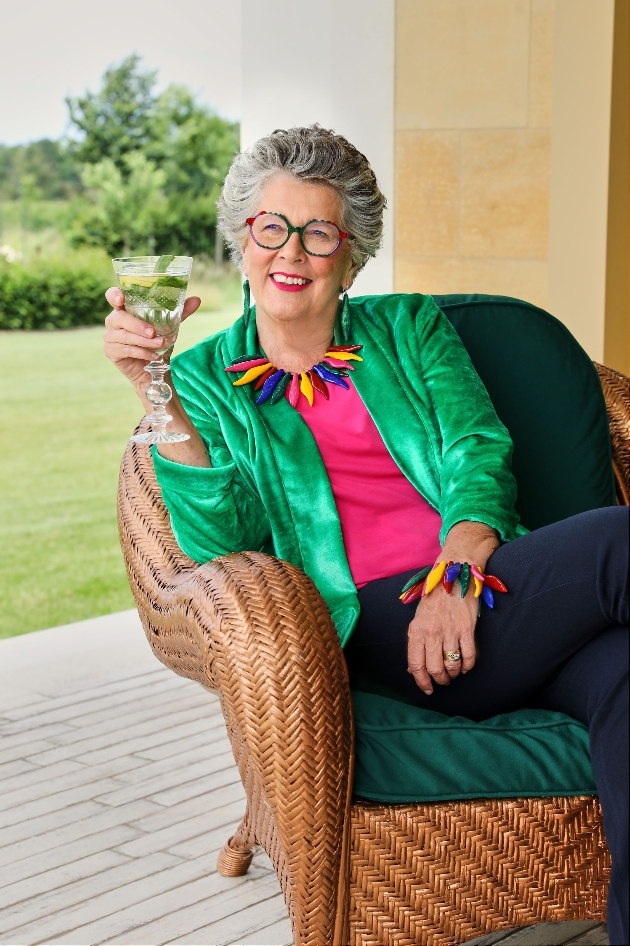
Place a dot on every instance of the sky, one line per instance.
(50, 50)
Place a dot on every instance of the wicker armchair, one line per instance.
(256, 629)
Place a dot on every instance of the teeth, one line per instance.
(289, 280)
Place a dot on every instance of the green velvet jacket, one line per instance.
(268, 489)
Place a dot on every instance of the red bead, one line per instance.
(264, 377)
(413, 596)
(318, 384)
(493, 582)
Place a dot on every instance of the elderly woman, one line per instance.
(355, 440)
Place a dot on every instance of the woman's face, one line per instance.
(299, 202)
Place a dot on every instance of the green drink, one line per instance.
(158, 299)
(155, 292)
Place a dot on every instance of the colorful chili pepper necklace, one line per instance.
(273, 382)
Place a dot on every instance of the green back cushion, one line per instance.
(407, 754)
(546, 390)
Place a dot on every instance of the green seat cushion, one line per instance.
(407, 754)
(546, 390)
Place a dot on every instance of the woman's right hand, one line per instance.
(130, 342)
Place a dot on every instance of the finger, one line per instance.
(122, 336)
(435, 663)
(191, 305)
(119, 319)
(452, 667)
(468, 651)
(127, 351)
(417, 667)
(422, 678)
(115, 297)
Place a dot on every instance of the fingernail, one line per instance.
(464, 671)
(427, 692)
(148, 331)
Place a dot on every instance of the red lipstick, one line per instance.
(289, 287)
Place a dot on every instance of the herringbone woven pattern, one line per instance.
(617, 394)
(256, 629)
(443, 873)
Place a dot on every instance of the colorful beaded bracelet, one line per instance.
(447, 572)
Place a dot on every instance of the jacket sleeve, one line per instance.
(476, 479)
(212, 511)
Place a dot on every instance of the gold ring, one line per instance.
(452, 655)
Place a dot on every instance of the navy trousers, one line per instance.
(558, 640)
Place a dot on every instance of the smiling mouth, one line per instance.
(288, 281)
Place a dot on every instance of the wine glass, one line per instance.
(155, 291)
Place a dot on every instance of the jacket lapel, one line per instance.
(394, 407)
(295, 488)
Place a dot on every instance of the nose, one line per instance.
(293, 251)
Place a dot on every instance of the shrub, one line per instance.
(52, 295)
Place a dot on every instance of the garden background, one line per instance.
(139, 173)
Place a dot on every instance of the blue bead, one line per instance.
(329, 376)
(453, 571)
(488, 597)
(270, 385)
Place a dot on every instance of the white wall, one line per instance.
(580, 144)
(336, 67)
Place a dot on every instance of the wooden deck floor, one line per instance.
(116, 795)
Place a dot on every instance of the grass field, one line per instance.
(67, 415)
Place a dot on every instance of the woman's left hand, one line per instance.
(443, 622)
(446, 622)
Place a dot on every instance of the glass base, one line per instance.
(159, 436)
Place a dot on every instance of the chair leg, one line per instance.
(237, 852)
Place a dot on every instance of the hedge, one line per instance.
(51, 296)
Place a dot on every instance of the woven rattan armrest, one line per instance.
(256, 629)
(617, 395)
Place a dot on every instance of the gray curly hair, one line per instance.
(312, 154)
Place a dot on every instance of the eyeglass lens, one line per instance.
(319, 238)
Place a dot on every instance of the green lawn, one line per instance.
(67, 414)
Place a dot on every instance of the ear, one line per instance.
(350, 276)
(245, 256)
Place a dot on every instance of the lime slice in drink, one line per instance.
(158, 290)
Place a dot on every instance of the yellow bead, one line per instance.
(306, 388)
(478, 586)
(343, 355)
(435, 577)
(252, 373)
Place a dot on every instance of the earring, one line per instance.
(345, 316)
(246, 299)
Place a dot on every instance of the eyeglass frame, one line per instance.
(291, 230)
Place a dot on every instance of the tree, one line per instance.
(46, 163)
(126, 205)
(193, 144)
(119, 118)
(195, 147)
(184, 139)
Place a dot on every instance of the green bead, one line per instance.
(237, 361)
(464, 579)
(418, 577)
(338, 371)
(280, 389)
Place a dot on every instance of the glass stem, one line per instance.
(158, 393)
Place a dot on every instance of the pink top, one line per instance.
(387, 526)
